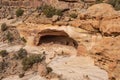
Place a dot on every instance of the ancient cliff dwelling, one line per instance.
(59, 39)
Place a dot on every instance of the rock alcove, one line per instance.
(56, 37)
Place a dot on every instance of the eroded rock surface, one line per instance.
(106, 55)
(77, 68)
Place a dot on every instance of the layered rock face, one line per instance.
(106, 54)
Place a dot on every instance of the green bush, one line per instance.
(4, 27)
(115, 4)
(73, 15)
(19, 12)
(3, 53)
(29, 61)
(50, 11)
(22, 53)
(9, 37)
(58, 12)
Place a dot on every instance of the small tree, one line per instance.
(22, 53)
(19, 12)
(29, 61)
(4, 27)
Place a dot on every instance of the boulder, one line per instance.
(110, 27)
(101, 10)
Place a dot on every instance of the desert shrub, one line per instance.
(29, 61)
(50, 11)
(73, 15)
(19, 12)
(22, 53)
(4, 27)
(49, 69)
(23, 39)
(3, 53)
(9, 37)
(58, 12)
(115, 4)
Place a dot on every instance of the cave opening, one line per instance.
(55, 39)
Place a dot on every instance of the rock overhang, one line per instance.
(54, 35)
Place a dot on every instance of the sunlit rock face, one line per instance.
(77, 68)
